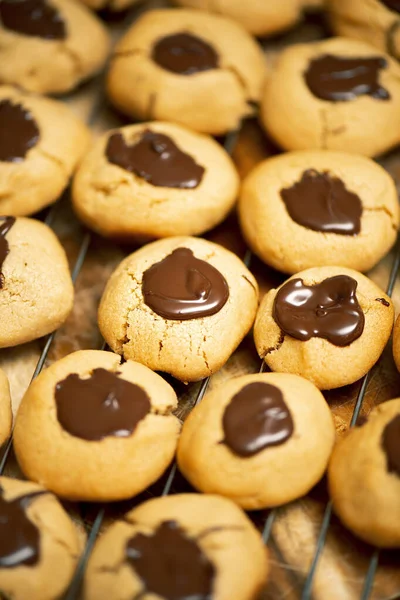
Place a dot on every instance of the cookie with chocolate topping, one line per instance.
(270, 435)
(154, 180)
(180, 305)
(327, 324)
(346, 91)
(364, 477)
(207, 540)
(5, 408)
(186, 66)
(106, 428)
(49, 46)
(312, 208)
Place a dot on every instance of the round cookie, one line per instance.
(41, 143)
(335, 94)
(36, 291)
(208, 540)
(317, 208)
(396, 343)
(327, 324)
(364, 477)
(180, 305)
(49, 46)
(5, 408)
(271, 435)
(154, 180)
(106, 428)
(39, 544)
(201, 70)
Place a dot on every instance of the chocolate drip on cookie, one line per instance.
(321, 202)
(182, 287)
(184, 54)
(171, 564)
(35, 18)
(391, 445)
(393, 5)
(99, 406)
(256, 418)
(157, 159)
(18, 131)
(339, 78)
(328, 310)
(5, 225)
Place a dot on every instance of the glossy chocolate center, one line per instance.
(322, 203)
(5, 225)
(100, 406)
(393, 5)
(342, 79)
(35, 18)
(170, 564)
(182, 287)
(18, 131)
(391, 445)
(328, 310)
(157, 159)
(256, 418)
(184, 54)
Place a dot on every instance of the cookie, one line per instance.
(335, 94)
(327, 324)
(41, 143)
(270, 435)
(5, 408)
(106, 428)
(180, 305)
(154, 180)
(36, 291)
(187, 66)
(39, 545)
(208, 540)
(396, 343)
(49, 46)
(318, 208)
(364, 477)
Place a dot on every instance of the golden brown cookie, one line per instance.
(110, 5)
(261, 440)
(180, 305)
(335, 94)
(364, 477)
(5, 409)
(154, 180)
(106, 428)
(49, 46)
(317, 208)
(187, 66)
(327, 324)
(39, 545)
(208, 540)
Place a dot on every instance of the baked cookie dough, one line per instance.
(154, 180)
(36, 291)
(316, 208)
(39, 544)
(5, 408)
(180, 305)
(364, 477)
(208, 540)
(187, 66)
(41, 143)
(106, 428)
(327, 324)
(335, 94)
(49, 46)
(269, 435)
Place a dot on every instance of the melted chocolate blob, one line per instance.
(256, 418)
(322, 203)
(342, 79)
(182, 287)
(35, 18)
(157, 159)
(170, 564)
(393, 5)
(184, 54)
(391, 445)
(5, 225)
(383, 301)
(18, 131)
(100, 406)
(19, 537)
(328, 310)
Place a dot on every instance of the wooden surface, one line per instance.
(342, 568)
